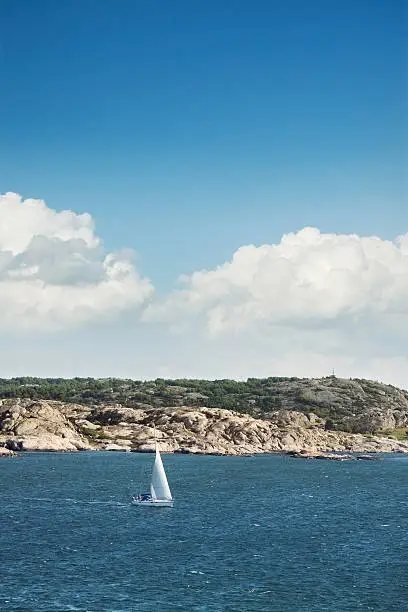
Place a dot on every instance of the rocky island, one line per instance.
(306, 417)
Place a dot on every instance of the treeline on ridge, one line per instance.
(334, 399)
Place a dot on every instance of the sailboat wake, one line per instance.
(65, 500)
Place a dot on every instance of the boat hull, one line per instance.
(157, 503)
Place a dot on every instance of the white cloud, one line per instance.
(21, 220)
(54, 272)
(311, 303)
(309, 279)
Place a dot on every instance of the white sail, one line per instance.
(159, 487)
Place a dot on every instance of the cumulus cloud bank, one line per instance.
(300, 307)
(54, 271)
(308, 279)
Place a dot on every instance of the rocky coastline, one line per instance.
(6, 452)
(46, 425)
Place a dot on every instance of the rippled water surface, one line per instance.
(246, 534)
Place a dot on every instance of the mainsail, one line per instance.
(159, 487)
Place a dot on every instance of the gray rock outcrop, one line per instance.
(39, 426)
(7, 452)
(55, 426)
(357, 406)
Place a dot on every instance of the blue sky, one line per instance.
(188, 129)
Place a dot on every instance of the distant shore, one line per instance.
(48, 425)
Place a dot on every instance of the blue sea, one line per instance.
(264, 533)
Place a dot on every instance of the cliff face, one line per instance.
(39, 426)
(58, 426)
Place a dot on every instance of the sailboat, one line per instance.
(160, 494)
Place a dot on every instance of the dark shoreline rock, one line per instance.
(320, 455)
(368, 457)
